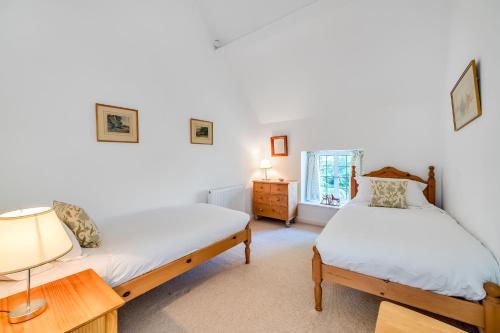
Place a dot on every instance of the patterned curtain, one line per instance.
(357, 161)
(312, 177)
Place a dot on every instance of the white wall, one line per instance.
(351, 74)
(58, 58)
(471, 180)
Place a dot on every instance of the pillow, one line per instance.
(414, 191)
(414, 194)
(76, 251)
(79, 222)
(390, 194)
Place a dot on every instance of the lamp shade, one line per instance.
(30, 238)
(265, 164)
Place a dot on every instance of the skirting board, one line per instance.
(312, 222)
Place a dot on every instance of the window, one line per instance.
(335, 174)
(328, 173)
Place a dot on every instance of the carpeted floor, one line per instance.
(272, 294)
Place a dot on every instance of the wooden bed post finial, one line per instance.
(317, 278)
(491, 308)
(431, 186)
(354, 184)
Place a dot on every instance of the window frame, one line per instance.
(335, 155)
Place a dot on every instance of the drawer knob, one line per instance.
(188, 261)
(234, 237)
(261, 210)
(126, 294)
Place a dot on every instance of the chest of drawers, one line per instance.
(275, 199)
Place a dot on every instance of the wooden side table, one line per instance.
(393, 318)
(82, 302)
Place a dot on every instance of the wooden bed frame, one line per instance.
(484, 314)
(145, 282)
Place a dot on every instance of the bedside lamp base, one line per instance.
(24, 312)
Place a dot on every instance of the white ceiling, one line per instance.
(228, 20)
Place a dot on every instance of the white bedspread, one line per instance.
(419, 247)
(133, 245)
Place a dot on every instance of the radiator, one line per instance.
(232, 197)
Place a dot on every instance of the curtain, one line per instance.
(357, 161)
(312, 177)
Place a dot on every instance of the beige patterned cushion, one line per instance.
(79, 222)
(391, 194)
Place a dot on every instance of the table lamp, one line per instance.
(265, 164)
(30, 238)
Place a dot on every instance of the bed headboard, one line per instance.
(390, 172)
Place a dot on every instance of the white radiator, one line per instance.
(232, 197)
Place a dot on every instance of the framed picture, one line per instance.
(116, 124)
(279, 145)
(202, 132)
(465, 99)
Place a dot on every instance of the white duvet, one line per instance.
(135, 244)
(420, 247)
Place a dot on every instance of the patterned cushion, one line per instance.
(391, 194)
(79, 222)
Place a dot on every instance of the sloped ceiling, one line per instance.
(228, 20)
(340, 57)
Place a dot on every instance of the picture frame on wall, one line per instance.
(201, 132)
(116, 124)
(465, 98)
(279, 145)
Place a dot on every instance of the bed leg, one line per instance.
(491, 306)
(317, 278)
(247, 244)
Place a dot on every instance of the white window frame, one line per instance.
(336, 154)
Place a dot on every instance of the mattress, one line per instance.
(419, 247)
(135, 244)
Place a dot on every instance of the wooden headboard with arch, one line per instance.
(390, 172)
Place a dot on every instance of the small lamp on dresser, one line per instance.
(30, 238)
(265, 164)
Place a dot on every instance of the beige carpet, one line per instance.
(272, 294)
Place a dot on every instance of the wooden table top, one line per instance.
(274, 181)
(393, 318)
(72, 302)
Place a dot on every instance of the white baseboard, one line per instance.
(309, 221)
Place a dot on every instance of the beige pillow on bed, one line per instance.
(390, 194)
(79, 222)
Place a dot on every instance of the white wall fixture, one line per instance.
(232, 197)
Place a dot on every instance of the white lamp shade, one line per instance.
(265, 164)
(29, 238)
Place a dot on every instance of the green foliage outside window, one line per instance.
(335, 174)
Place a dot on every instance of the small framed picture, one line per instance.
(116, 124)
(279, 145)
(202, 132)
(465, 99)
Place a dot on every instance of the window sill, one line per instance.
(317, 204)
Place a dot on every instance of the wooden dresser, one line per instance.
(275, 199)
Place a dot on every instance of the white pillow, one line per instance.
(414, 191)
(76, 251)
